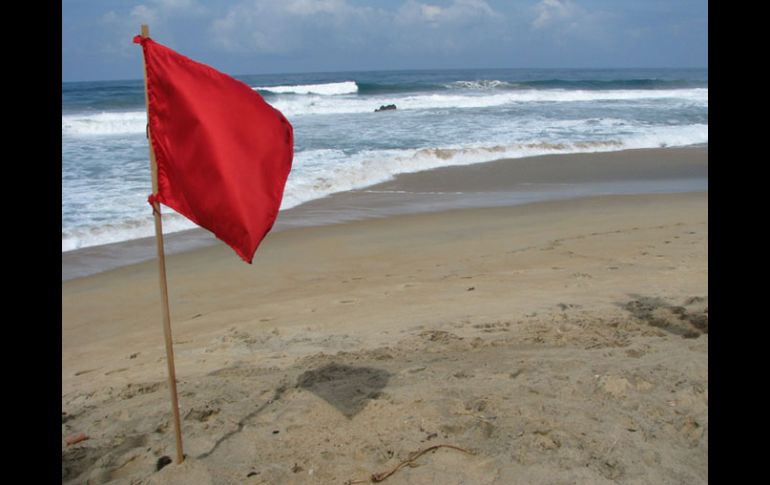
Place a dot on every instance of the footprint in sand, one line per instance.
(580, 275)
(80, 373)
(115, 371)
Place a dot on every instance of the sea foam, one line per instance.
(109, 124)
(101, 124)
(341, 144)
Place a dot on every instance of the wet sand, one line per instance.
(493, 184)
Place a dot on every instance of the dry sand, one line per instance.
(559, 342)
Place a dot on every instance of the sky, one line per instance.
(287, 36)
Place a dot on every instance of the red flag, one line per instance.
(223, 153)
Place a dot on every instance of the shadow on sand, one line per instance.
(346, 388)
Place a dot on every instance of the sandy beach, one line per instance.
(557, 339)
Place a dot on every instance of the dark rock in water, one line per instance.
(386, 107)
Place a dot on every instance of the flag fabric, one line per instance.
(223, 154)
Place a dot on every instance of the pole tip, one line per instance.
(145, 30)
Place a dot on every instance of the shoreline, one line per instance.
(491, 184)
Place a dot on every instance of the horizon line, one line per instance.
(409, 70)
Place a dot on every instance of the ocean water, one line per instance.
(446, 117)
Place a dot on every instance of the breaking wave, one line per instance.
(328, 89)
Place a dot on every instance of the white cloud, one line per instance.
(459, 11)
(566, 22)
(553, 11)
(431, 12)
(177, 4)
(163, 9)
(253, 27)
(307, 28)
(176, 7)
(270, 26)
(144, 15)
(162, 16)
(110, 17)
(312, 7)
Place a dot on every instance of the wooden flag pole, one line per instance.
(145, 32)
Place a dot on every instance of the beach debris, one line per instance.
(385, 107)
(75, 438)
(162, 461)
(472, 288)
(379, 477)
(251, 474)
(296, 468)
